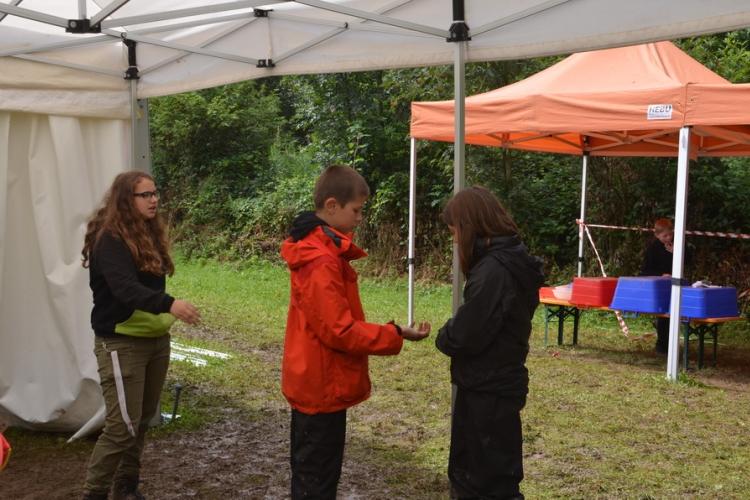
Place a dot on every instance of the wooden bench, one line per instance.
(561, 309)
(700, 327)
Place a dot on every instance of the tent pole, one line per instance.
(107, 11)
(683, 164)
(141, 142)
(584, 170)
(133, 126)
(81, 9)
(33, 15)
(412, 223)
(460, 36)
(140, 154)
(14, 3)
(459, 77)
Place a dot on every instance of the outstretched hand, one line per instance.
(411, 333)
(185, 311)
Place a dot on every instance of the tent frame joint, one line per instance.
(82, 26)
(459, 32)
(132, 72)
(265, 63)
(261, 12)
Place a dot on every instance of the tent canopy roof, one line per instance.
(628, 101)
(186, 45)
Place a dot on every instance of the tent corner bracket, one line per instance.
(81, 26)
(132, 72)
(459, 32)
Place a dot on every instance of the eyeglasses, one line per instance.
(147, 195)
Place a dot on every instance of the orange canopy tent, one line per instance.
(628, 101)
(644, 100)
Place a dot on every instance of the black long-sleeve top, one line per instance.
(488, 337)
(657, 260)
(120, 289)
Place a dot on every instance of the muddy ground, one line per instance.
(236, 455)
(239, 456)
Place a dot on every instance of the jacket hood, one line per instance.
(311, 238)
(303, 224)
(525, 268)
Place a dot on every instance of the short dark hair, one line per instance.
(340, 182)
(476, 213)
(663, 225)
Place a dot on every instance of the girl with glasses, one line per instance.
(127, 254)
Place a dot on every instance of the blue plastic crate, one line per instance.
(714, 302)
(646, 294)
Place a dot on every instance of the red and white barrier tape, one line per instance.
(620, 320)
(717, 234)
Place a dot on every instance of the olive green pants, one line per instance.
(132, 372)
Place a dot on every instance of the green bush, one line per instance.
(237, 163)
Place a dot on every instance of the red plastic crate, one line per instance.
(560, 292)
(594, 292)
(545, 292)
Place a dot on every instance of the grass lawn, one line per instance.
(601, 420)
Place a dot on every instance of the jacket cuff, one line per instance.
(398, 328)
(166, 303)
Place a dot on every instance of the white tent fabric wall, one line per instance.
(53, 172)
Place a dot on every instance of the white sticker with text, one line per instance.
(659, 112)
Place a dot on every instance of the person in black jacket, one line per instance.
(657, 261)
(127, 253)
(488, 340)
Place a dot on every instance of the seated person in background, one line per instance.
(657, 261)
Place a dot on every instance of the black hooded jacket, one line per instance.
(488, 337)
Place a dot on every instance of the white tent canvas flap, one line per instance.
(55, 170)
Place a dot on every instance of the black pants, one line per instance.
(486, 458)
(662, 334)
(317, 452)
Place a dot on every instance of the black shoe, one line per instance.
(126, 489)
(90, 495)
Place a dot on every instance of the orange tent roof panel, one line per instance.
(634, 97)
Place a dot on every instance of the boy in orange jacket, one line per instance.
(328, 341)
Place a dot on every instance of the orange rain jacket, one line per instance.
(4, 452)
(327, 338)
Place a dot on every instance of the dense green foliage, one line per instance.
(237, 163)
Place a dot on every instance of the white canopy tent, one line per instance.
(70, 118)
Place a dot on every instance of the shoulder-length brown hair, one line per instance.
(146, 238)
(476, 213)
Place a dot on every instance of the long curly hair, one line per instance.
(118, 215)
(476, 213)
